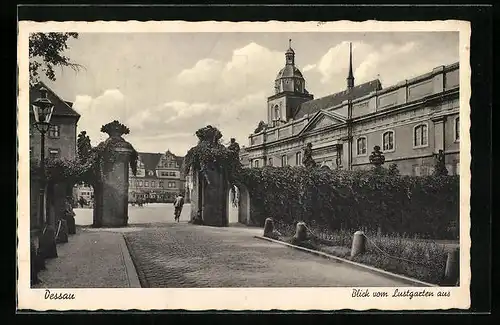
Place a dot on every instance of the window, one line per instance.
(420, 136)
(153, 184)
(170, 165)
(284, 161)
(277, 113)
(298, 158)
(160, 184)
(388, 141)
(256, 163)
(171, 184)
(53, 153)
(457, 129)
(361, 146)
(146, 184)
(54, 131)
(416, 170)
(140, 183)
(270, 161)
(457, 169)
(176, 165)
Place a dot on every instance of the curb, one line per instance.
(132, 277)
(358, 265)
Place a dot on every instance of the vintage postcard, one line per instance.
(243, 166)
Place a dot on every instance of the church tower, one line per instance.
(289, 91)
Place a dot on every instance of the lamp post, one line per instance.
(42, 111)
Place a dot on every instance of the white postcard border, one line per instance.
(239, 298)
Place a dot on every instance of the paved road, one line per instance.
(150, 213)
(183, 255)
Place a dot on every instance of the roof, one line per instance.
(289, 71)
(316, 105)
(61, 107)
(150, 160)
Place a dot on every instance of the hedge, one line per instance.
(424, 206)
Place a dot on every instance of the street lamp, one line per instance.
(42, 110)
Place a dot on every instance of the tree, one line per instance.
(84, 147)
(46, 51)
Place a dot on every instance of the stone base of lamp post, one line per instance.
(70, 221)
(62, 232)
(47, 243)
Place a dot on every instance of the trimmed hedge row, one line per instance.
(424, 206)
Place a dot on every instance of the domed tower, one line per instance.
(289, 91)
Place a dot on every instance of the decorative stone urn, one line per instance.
(112, 191)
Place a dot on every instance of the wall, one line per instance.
(66, 143)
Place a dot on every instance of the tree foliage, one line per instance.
(84, 147)
(209, 153)
(46, 51)
(92, 162)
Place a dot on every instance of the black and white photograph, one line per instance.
(243, 165)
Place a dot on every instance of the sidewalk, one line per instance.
(91, 259)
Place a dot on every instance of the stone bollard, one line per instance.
(358, 243)
(452, 270)
(300, 232)
(268, 227)
(62, 235)
(48, 247)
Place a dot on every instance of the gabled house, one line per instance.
(159, 177)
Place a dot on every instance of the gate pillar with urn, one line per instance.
(111, 191)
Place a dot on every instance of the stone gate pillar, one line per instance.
(115, 190)
(111, 193)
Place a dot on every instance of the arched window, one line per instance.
(284, 161)
(361, 146)
(388, 141)
(420, 136)
(457, 129)
(298, 158)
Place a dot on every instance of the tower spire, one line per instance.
(290, 43)
(350, 76)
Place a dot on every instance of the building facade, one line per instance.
(159, 177)
(410, 121)
(60, 140)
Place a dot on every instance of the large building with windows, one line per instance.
(410, 121)
(159, 177)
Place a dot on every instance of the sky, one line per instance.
(165, 86)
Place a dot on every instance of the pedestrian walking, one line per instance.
(178, 204)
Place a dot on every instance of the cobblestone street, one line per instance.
(184, 255)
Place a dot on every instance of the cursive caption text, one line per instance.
(58, 296)
(410, 294)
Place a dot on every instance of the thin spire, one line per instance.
(290, 43)
(350, 76)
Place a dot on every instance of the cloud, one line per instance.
(202, 72)
(309, 67)
(372, 61)
(176, 122)
(250, 69)
(95, 112)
